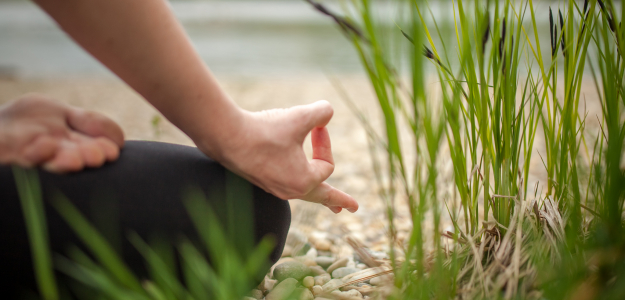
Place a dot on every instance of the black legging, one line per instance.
(141, 191)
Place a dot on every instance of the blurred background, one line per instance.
(242, 38)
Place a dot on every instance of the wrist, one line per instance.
(218, 133)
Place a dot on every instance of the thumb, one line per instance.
(95, 125)
(313, 115)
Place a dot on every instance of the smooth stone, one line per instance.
(304, 294)
(301, 250)
(323, 245)
(298, 242)
(324, 261)
(287, 251)
(317, 290)
(248, 298)
(295, 237)
(307, 261)
(283, 290)
(347, 295)
(291, 269)
(366, 290)
(338, 264)
(381, 280)
(280, 261)
(317, 270)
(344, 271)
(322, 279)
(267, 284)
(256, 294)
(324, 253)
(308, 281)
(332, 285)
(312, 253)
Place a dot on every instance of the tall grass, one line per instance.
(494, 100)
(214, 266)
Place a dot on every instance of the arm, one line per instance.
(141, 42)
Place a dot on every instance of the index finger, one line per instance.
(330, 196)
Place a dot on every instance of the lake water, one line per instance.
(242, 38)
(234, 38)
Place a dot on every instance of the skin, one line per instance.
(35, 130)
(142, 42)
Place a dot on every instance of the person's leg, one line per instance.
(142, 191)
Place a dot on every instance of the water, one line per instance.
(242, 38)
(233, 38)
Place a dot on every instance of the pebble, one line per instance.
(344, 271)
(346, 295)
(323, 245)
(317, 290)
(295, 237)
(308, 282)
(322, 279)
(307, 261)
(267, 284)
(256, 294)
(280, 261)
(287, 251)
(332, 285)
(304, 294)
(301, 250)
(317, 270)
(381, 280)
(248, 298)
(366, 290)
(282, 290)
(351, 264)
(291, 269)
(324, 261)
(338, 264)
(312, 253)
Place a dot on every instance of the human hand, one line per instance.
(267, 150)
(35, 130)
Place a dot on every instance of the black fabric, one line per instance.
(141, 191)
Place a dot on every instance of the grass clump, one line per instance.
(211, 267)
(505, 108)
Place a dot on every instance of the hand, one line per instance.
(35, 130)
(266, 149)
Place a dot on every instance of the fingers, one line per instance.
(95, 125)
(110, 149)
(332, 198)
(322, 146)
(313, 115)
(40, 150)
(81, 152)
(67, 159)
(335, 209)
(322, 164)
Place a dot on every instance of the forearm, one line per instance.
(141, 42)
